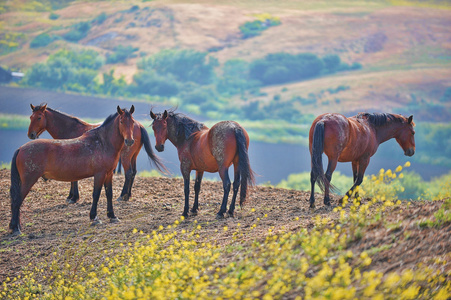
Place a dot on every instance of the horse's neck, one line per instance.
(60, 126)
(172, 134)
(387, 131)
(109, 135)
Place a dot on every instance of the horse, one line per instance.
(206, 149)
(95, 153)
(63, 126)
(355, 140)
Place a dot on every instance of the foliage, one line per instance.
(78, 32)
(53, 16)
(10, 41)
(42, 40)
(235, 78)
(435, 137)
(301, 182)
(152, 83)
(277, 68)
(121, 54)
(184, 65)
(66, 70)
(256, 27)
(99, 19)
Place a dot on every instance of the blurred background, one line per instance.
(272, 66)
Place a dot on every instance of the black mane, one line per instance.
(185, 126)
(379, 119)
(107, 121)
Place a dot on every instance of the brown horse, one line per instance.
(353, 139)
(62, 126)
(95, 153)
(207, 150)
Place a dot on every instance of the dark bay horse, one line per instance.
(95, 153)
(62, 126)
(353, 139)
(207, 150)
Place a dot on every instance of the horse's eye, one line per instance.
(39, 118)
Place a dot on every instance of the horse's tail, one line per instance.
(15, 193)
(244, 167)
(152, 157)
(317, 153)
(317, 158)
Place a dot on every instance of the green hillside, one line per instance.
(249, 61)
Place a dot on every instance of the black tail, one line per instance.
(155, 159)
(317, 158)
(317, 153)
(14, 192)
(247, 175)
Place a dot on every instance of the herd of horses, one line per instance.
(80, 150)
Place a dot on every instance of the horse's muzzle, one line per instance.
(33, 135)
(129, 142)
(409, 152)
(160, 148)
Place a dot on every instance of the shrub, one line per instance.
(53, 16)
(121, 54)
(42, 40)
(152, 83)
(78, 32)
(184, 65)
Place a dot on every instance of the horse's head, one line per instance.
(160, 129)
(405, 136)
(126, 124)
(38, 122)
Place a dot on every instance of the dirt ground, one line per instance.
(48, 222)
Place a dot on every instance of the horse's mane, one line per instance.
(184, 124)
(107, 121)
(379, 119)
(38, 107)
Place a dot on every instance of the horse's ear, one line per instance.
(119, 110)
(165, 115)
(44, 107)
(410, 119)
(132, 109)
(32, 107)
(152, 115)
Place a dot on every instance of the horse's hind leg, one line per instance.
(134, 171)
(199, 175)
(224, 174)
(73, 194)
(17, 197)
(312, 189)
(330, 169)
(128, 170)
(236, 186)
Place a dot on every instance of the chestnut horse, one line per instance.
(353, 139)
(62, 126)
(207, 150)
(95, 153)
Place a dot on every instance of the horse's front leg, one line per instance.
(224, 174)
(185, 173)
(199, 175)
(128, 171)
(361, 166)
(109, 198)
(99, 179)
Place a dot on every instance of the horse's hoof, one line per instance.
(123, 198)
(219, 217)
(194, 212)
(230, 214)
(96, 221)
(16, 232)
(114, 220)
(312, 207)
(71, 201)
